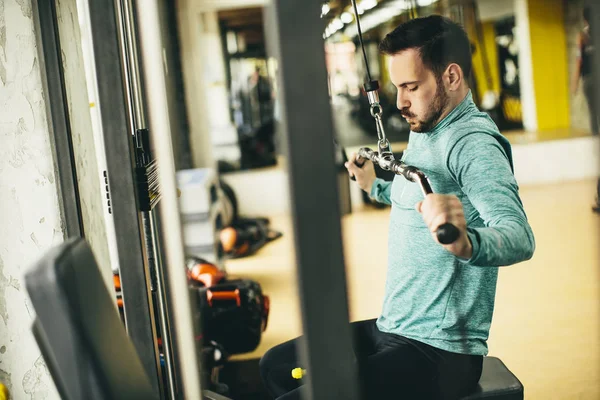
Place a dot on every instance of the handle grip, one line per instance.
(229, 295)
(447, 233)
(359, 164)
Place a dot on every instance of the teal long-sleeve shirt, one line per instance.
(431, 295)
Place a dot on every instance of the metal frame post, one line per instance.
(57, 113)
(595, 31)
(182, 324)
(138, 121)
(295, 37)
(134, 274)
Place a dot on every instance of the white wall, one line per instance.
(557, 161)
(190, 32)
(490, 10)
(261, 192)
(211, 5)
(525, 65)
(223, 133)
(30, 221)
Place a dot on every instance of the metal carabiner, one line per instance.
(376, 110)
(384, 149)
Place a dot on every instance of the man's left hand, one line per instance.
(438, 209)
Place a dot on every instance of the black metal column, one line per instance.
(179, 298)
(595, 34)
(295, 37)
(53, 82)
(139, 314)
(137, 118)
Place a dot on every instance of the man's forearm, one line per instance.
(506, 244)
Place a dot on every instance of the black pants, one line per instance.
(390, 367)
(590, 95)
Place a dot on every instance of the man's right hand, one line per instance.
(365, 175)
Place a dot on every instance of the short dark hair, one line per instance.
(439, 40)
(587, 14)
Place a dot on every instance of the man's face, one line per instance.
(421, 97)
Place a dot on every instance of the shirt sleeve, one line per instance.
(381, 191)
(481, 167)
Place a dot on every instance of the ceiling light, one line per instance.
(346, 17)
(383, 13)
(368, 4)
(337, 24)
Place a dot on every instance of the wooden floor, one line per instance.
(546, 324)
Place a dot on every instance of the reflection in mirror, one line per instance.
(524, 59)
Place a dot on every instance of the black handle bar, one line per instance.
(446, 233)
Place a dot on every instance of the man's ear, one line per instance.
(453, 76)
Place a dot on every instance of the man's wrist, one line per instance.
(466, 251)
(369, 187)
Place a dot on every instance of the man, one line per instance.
(430, 339)
(583, 71)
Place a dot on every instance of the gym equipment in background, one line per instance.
(204, 272)
(79, 333)
(82, 340)
(212, 228)
(496, 382)
(204, 212)
(119, 294)
(258, 146)
(490, 101)
(234, 312)
(229, 203)
(246, 236)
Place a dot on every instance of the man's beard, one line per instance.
(438, 105)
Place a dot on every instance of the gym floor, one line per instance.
(546, 325)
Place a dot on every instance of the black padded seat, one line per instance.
(497, 382)
(79, 331)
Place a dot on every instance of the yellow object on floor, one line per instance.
(4, 395)
(298, 373)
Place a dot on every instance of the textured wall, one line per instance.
(29, 211)
(580, 116)
(89, 178)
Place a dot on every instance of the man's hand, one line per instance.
(438, 209)
(365, 175)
